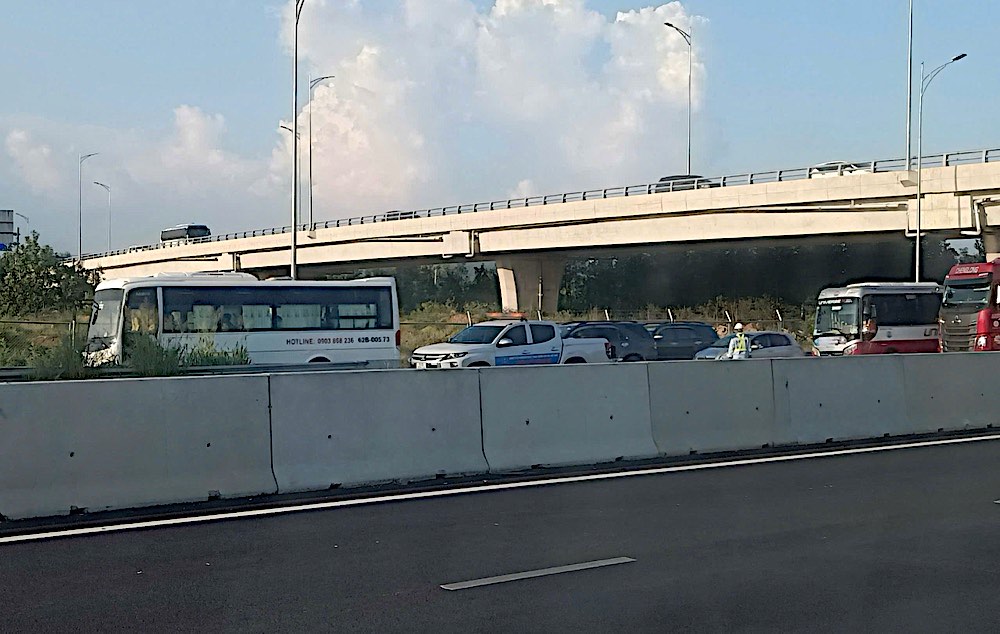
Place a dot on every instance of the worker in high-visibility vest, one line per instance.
(739, 345)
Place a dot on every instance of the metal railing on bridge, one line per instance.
(946, 159)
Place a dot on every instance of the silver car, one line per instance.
(763, 345)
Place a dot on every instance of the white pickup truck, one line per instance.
(510, 342)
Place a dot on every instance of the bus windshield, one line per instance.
(104, 319)
(837, 317)
(971, 293)
(477, 334)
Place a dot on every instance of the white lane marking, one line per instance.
(530, 574)
(484, 488)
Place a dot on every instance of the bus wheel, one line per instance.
(632, 357)
(319, 360)
(575, 360)
(479, 364)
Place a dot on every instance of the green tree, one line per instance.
(35, 279)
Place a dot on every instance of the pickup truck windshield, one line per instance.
(477, 334)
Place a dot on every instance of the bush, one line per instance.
(61, 362)
(206, 354)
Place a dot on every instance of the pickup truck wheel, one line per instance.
(575, 360)
(632, 357)
(479, 364)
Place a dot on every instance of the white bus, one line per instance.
(352, 322)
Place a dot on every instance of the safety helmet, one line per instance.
(738, 327)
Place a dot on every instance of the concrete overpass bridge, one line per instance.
(531, 238)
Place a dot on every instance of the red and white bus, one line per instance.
(877, 318)
(970, 311)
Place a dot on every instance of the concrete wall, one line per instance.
(129, 442)
(571, 414)
(711, 406)
(351, 428)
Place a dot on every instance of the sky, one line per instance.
(442, 102)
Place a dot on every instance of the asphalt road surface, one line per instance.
(902, 540)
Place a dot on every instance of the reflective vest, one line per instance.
(741, 342)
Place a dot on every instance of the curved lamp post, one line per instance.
(687, 38)
(83, 157)
(312, 84)
(924, 83)
(293, 268)
(108, 188)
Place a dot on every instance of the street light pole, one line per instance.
(83, 157)
(293, 272)
(26, 220)
(924, 83)
(687, 38)
(108, 188)
(909, 88)
(312, 84)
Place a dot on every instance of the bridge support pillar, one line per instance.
(991, 243)
(529, 284)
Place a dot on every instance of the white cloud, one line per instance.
(439, 102)
(33, 161)
(434, 103)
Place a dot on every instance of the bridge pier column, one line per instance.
(991, 242)
(530, 283)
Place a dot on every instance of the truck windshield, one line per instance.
(477, 334)
(837, 316)
(104, 319)
(974, 292)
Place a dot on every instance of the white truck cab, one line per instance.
(510, 342)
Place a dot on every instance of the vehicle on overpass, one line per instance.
(970, 310)
(763, 345)
(510, 342)
(877, 318)
(184, 232)
(838, 168)
(352, 322)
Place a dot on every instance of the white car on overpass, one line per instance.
(510, 342)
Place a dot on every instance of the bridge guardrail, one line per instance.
(946, 159)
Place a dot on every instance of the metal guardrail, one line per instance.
(887, 165)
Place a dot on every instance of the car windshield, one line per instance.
(104, 320)
(477, 334)
(967, 292)
(837, 316)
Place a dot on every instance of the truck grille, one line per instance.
(958, 332)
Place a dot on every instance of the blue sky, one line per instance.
(447, 101)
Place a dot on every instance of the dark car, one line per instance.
(681, 182)
(683, 339)
(629, 340)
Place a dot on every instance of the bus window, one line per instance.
(242, 309)
(142, 311)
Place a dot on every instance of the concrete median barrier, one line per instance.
(352, 428)
(952, 391)
(579, 414)
(839, 398)
(707, 406)
(129, 443)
